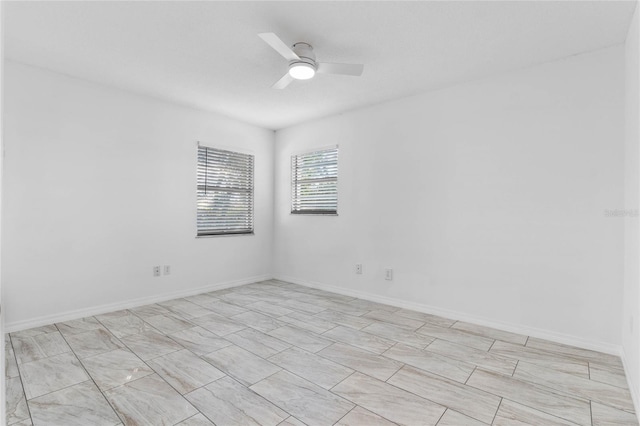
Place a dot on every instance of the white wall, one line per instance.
(100, 187)
(631, 307)
(487, 199)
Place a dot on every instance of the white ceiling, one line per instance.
(207, 54)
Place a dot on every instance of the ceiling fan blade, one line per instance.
(345, 69)
(279, 46)
(283, 82)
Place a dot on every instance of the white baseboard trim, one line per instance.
(461, 316)
(126, 304)
(632, 388)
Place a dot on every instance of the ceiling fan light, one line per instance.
(302, 71)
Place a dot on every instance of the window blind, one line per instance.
(314, 182)
(225, 192)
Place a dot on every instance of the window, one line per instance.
(314, 182)
(225, 192)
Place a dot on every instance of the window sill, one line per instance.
(244, 234)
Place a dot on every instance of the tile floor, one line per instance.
(274, 353)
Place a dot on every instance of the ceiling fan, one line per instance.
(302, 62)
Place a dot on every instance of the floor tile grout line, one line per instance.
(143, 362)
(529, 406)
(346, 414)
(566, 394)
(24, 392)
(92, 379)
(497, 410)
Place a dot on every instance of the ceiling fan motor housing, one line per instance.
(305, 52)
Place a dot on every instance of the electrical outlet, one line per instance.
(388, 274)
(156, 271)
(167, 269)
(359, 268)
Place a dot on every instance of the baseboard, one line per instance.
(461, 316)
(632, 387)
(126, 304)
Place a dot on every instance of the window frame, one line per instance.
(231, 151)
(294, 182)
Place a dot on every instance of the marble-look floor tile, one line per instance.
(397, 320)
(360, 339)
(115, 368)
(372, 306)
(474, 403)
(342, 307)
(77, 405)
(453, 418)
(456, 336)
(224, 309)
(147, 311)
(244, 366)
(168, 323)
(185, 309)
(149, 401)
(604, 415)
(16, 403)
(307, 322)
(268, 308)
(611, 376)
(539, 357)
(291, 421)
(360, 360)
(51, 374)
(29, 348)
(199, 341)
(423, 375)
(301, 338)
(217, 324)
(94, 342)
(360, 417)
(426, 318)
(10, 363)
(398, 334)
(25, 422)
(259, 321)
(575, 386)
(257, 342)
(571, 352)
(185, 371)
(388, 401)
(239, 299)
(304, 400)
(484, 359)
(197, 420)
(202, 299)
(428, 361)
(513, 414)
(312, 367)
(150, 344)
(491, 333)
(341, 318)
(534, 396)
(81, 325)
(298, 305)
(123, 324)
(51, 328)
(228, 403)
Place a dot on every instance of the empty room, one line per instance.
(352, 213)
